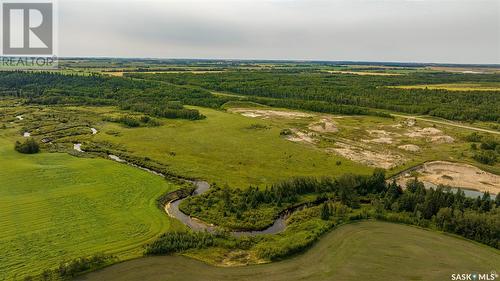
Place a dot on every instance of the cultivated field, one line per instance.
(456, 87)
(56, 207)
(361, 251)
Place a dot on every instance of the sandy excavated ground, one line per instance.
(381, 137)
(430, 134)
(325, 125)
(384, 159)
(265, 114)
(457, 175)
(356, 150)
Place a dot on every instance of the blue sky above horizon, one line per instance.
(440, 31)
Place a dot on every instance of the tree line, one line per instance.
(256, 208)
(314, 91)
(474, 218)
(150, 97)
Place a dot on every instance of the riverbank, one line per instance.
(452, 174)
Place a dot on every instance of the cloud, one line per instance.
(461, 31)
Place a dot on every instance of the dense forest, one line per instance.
(441, 208)
(163, 95)
(150, 97)
(316, 91)
(256, 209)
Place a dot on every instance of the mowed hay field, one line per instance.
(227, 148)
(362, 251)
(55, 207)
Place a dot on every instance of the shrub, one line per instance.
(487, 157)
(286, 132)
(69, 270)
(173, 242)
(29, 146)
(130, 122)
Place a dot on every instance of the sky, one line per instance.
(438, 31)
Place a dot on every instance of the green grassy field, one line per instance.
(55, 207)
(361, 251)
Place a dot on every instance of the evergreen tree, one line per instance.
(325, 211)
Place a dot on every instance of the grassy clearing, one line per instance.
(243, 146)
(394, 144)
(361, 251)
(227, 148)
(455, 87)
(55, 207)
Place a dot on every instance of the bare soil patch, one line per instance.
(430, 134)
(266, 114)
(456, 175)
(301, 136)
(381, 137)
(410, 147)
(383, 159)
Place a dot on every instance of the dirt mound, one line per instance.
(425, 132)
(442, 139)
(300, 136)
(410, 147)
(456, 175)
(430, 134)
(265, 114)
(325, 125)
(410, 122)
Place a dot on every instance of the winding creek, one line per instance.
(172, 209)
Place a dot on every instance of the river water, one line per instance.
(173, 211)
(468, 192)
